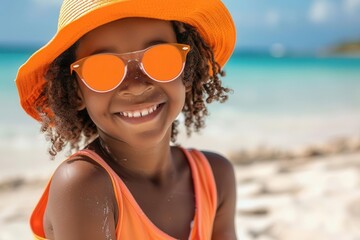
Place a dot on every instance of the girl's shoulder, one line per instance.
(220, 166)
(78, 170)
(80, 191)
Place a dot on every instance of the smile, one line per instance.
(140, 113)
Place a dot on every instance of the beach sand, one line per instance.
(300, 199)
(310, 195)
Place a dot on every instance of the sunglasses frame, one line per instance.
(127, 58)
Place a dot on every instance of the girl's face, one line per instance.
(140, 111)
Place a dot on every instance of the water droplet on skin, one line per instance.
(170, 198)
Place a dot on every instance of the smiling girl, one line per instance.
(116, 76)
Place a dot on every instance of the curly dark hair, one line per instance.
(67, 125)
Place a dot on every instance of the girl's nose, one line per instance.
(135, 82)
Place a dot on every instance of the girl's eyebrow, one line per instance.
(154, 42)
(102, 50)
(112, 50)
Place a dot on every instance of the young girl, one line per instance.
(114, 79)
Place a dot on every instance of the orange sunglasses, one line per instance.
(105, 71)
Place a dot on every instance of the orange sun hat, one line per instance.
(77, 17)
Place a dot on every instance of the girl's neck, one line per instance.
(153, 163)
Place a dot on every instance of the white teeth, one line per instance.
(140, 113)
(136, 114)
(144, 112)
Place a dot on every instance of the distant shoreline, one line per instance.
(347, 48)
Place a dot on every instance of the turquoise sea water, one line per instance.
(263, 87)
(294, 85)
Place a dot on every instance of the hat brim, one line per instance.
(210, 18)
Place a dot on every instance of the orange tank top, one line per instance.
(137, 224)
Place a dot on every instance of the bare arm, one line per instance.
(224, 225)
(81, 203)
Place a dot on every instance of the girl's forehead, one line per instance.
(126, 35)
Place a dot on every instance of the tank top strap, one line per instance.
(206, 197)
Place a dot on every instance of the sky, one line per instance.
(297, 25)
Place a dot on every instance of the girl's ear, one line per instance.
(80, 100)
(188, 86)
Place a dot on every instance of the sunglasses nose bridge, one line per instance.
(134, 68)
(133, 60)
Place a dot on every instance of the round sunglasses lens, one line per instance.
(103, 72)
(163, 62)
